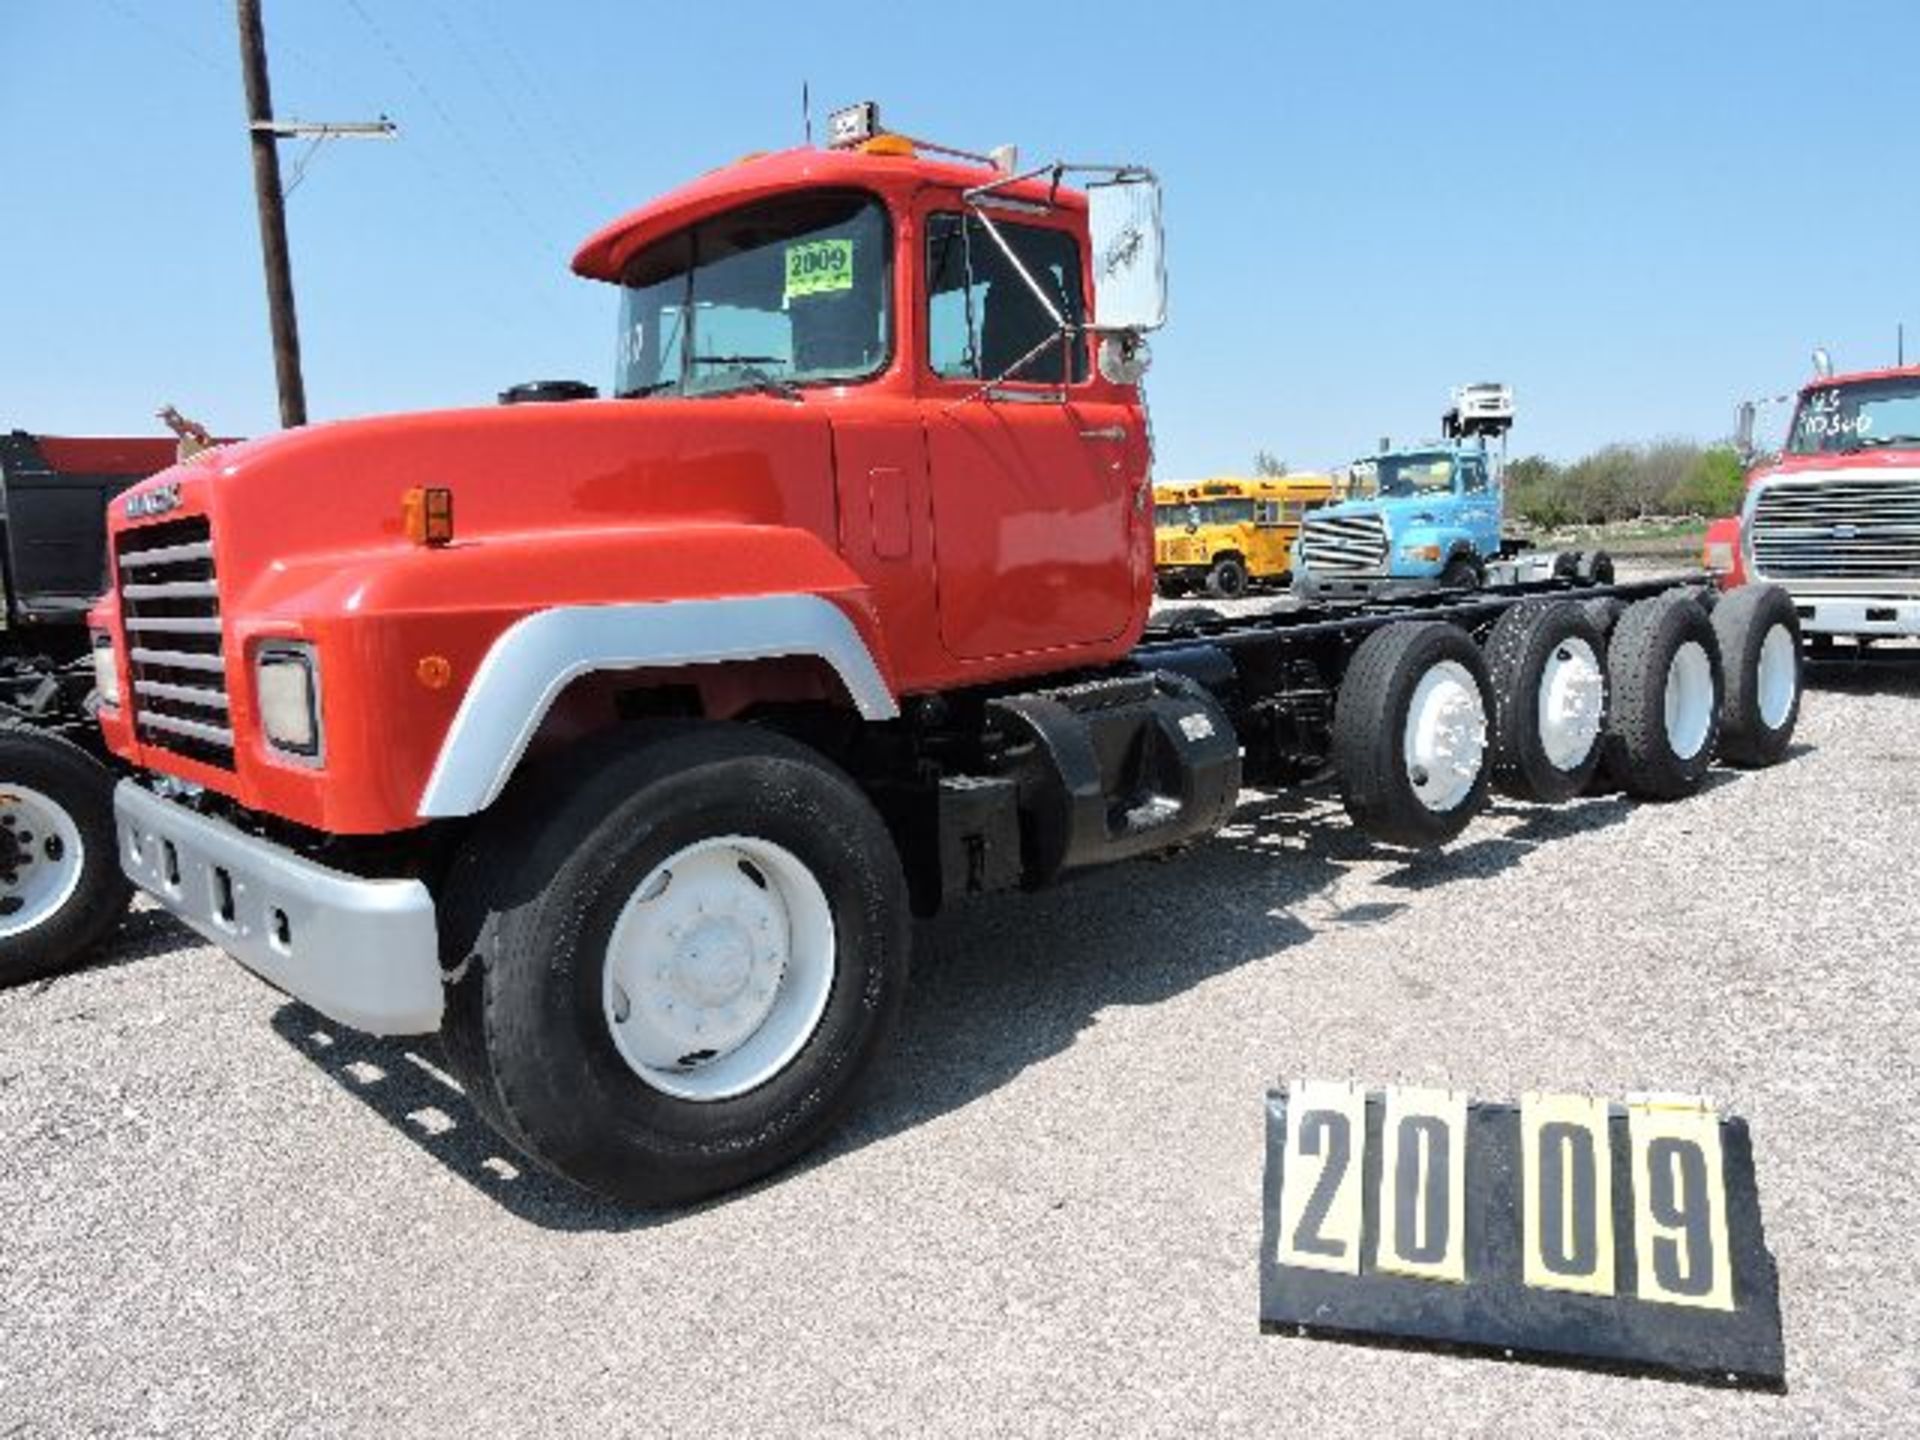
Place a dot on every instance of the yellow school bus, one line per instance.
(1226, 533)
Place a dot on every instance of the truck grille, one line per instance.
(1838, 530)
(170, 609)
(1344, 544)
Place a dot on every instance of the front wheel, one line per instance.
(61, 887)
(1463, 572)
(680, 966)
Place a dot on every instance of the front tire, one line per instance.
(681, 962)
(61, 888)
(1462, 572)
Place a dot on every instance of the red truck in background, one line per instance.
(1835, 517)
(61, 888)
(618, 740)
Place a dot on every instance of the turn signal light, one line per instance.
(428, 515)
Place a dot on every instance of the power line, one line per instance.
(474, 152)
(557, 128)
(501, 102)
(168, 35)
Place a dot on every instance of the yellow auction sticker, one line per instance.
(819, 267)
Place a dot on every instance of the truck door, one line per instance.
(1479, 505)
(1042, 533)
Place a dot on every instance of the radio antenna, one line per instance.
(806, 112)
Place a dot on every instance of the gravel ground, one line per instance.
(220, 1216)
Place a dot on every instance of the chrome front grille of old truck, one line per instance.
(170, 610)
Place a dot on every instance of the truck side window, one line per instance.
(1473, 477)
(983, 320)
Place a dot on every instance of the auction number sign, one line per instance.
(1565, 1227)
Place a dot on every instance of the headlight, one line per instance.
(288, 685)
(106, 668)
(1718, 557)
(1420, 552)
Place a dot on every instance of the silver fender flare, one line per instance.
(539, 656)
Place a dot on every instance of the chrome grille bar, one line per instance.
(170, 608)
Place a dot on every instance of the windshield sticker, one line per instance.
(819, 267)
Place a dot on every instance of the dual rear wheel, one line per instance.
(1426, 722)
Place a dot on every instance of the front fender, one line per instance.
(437, 664)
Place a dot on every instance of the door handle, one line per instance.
(1105, 432)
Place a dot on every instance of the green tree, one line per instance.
(1265, 462)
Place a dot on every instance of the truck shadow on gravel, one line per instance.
(1003, 983)
(1878, 672)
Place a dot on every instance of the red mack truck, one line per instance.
(1835, 517)
(619, 740)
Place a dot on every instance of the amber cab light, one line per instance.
(428, 515)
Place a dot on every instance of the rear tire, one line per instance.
(1759, 634)
(1410, 730)
(1605, 612)
(61, 887)
(1546, 663)
(1228, 579)
(716, 881)
(1184, 617)
(1663, 667)
(1593, 567)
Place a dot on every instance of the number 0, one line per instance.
(1567, 1181)
(1423, 1184)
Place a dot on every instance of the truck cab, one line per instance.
(1418, 516)
(1835, 517)
(1226, 533)
(863, 443)
(1423, 514)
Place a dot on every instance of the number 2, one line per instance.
(1320, 1191)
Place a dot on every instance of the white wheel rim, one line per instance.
(1572, 700)
(41, 859)
(1778, 681)
(1445, 743)
(719, 968)
(1689, 700)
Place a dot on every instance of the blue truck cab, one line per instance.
(1420, 516)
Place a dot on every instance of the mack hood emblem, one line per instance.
(159, 500)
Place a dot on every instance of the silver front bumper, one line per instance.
(362, 952)
(1854, 615)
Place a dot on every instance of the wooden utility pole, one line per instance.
(273, 216)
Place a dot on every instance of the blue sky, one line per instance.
(1634, 213)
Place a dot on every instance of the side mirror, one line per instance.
(1743, 430)
(1129, 261)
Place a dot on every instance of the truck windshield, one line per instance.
(1395, 476)
(1845, 418)
(1208, 512)
(787, 293)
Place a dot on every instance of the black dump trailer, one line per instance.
(61, 890)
